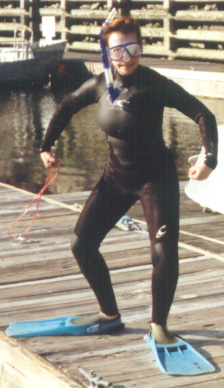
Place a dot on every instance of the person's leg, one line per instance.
(160, 201)
(103, 209)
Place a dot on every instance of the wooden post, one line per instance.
(109, 4)
(63, 21)
(167, 25)
(23, 17)
(168, 40)
(167, 4)
(35, 20)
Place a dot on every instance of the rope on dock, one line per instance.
(211, 239)
(78, 208)
(75, 207)
(200, 236)
(202, 251)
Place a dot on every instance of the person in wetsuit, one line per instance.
(139, 167)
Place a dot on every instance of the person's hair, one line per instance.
(125, 24)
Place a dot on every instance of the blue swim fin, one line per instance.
(179, 359)
(36, 328)
(60, 327)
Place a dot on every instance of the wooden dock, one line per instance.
(40, 279)
(191, 30)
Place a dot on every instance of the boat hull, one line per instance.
(33, 71)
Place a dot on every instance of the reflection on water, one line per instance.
(82, 147)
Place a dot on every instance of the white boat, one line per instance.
(28, 62)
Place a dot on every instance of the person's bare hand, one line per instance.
(49, 159)
(200, 172)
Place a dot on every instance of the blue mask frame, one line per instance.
(113, 92)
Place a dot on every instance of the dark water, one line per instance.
(82, 147)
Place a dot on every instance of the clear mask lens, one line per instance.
(133, 48)
(116, 53)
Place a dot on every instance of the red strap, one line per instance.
(50, 179)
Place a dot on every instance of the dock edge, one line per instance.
(20, 368)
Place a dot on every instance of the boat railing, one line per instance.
(22, 47)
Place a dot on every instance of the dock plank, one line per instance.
(40, 279)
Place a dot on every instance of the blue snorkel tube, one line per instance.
(113, 92)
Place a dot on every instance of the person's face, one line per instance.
(127, 64)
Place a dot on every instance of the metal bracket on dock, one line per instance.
(95, 381)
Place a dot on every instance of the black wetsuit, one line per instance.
(139, 166)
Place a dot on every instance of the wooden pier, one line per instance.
(199, 79)
(40, 279)
(187, 29)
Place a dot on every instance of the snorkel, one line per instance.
(113, 92)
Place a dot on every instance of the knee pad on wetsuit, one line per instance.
(82, 247)
(160, 246)
(166, 255)
(161, 255)
(76, 245)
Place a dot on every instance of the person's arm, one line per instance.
(87, 94)
(177, 97)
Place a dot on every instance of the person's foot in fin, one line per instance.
(174, 356)
(94, 318)
(161, 335)
(98, 323)
(72, 325)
